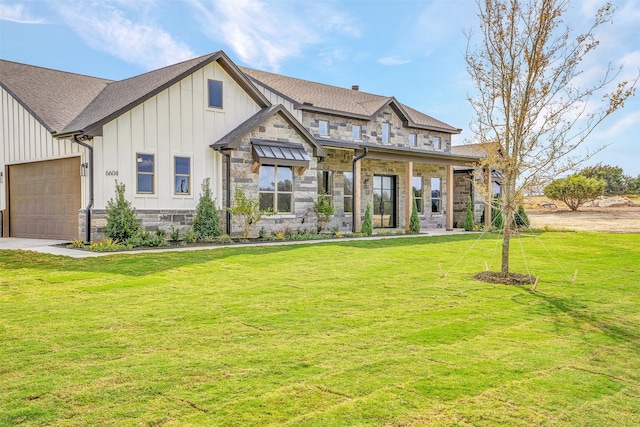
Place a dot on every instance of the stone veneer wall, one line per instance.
(462, 187)
(371, 131)
(150, 220)
(305, 186)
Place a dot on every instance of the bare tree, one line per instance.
(531, 112)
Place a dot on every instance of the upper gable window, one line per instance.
(215, 94)
(412, 139)
(323, 128)
(436, 143)
(385, 132)
(356, 132)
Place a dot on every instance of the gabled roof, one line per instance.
(312, 96)
(124, 95)
(233, 139)
(475, 150)
(53, 97)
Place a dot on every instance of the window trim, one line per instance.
(438, 199)
(346, 196)
(359, 135)
(276, 192)
(153, 174)
(176, 175)
(420, 199)
(320, 127)
(386, 136)
(209, 81)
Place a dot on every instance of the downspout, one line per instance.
(353, 174)
(228, 173)
(90, 205)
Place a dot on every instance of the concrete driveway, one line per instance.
(43, 246)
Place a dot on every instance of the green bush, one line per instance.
(122, 221)
(248, 209)
(468, 219)
(414, 220)
(575, 190)
(324, 209)
(367, 225)
(521, 219)
(190, 236)
(206, 222)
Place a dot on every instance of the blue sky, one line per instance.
(410, 49)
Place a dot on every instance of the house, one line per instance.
(67, 139)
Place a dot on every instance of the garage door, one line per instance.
(44, 199)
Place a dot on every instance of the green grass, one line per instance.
(340, 334)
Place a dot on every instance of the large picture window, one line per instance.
(182, 180)
(417, 191)
(348, 191)
(215, 94)
(145, 170)
(436, 195)
(276, 188)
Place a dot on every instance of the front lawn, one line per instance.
(354, 333)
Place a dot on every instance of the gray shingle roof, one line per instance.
(308, 95)
(123, 95)
(474, 150)
(53, 97)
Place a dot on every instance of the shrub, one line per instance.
(248, 209)
(122, 221)
(223, 239)
(107, 245)
(325, 210)
(575, 190)
(206, 222)
(414, 220)
(367, 225)
(468, 219)
(521, 219)
(77, 243)
(190, 236)
(175, 233)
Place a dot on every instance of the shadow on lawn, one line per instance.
(151, 262)
(583, 321)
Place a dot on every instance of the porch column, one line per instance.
(449, 199)
(357, 191)
(487, 205)
(408, 194)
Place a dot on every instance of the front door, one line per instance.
(384, 201)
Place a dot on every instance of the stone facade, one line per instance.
(371, 131)
(463, 188)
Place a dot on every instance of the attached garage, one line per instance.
(44, 199)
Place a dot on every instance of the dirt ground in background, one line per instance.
(611, 219)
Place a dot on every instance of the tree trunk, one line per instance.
(505, 253)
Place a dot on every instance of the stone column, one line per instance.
(357, 195)
(487, 205)
(408, 194)
(449, 199)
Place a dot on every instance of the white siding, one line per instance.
(276, 99)
(175, 122)
(24, 139)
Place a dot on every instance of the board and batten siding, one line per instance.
(276, 99)
(175, 122)
(24, 140)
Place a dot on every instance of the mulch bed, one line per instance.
(509, 279)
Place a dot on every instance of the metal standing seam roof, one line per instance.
(332, 99)
(281, 152)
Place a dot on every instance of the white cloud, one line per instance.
(17, 13)
(105, 27)
(393, 60)
(264, 34)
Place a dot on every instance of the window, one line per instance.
(348, 191)
(325, 183)
(145, 171)
(323, 128)
(385, 132)
(412, 139)
(436, 195)
(356, 132)
(215, 94)
(276, 188)
(436, 143)
(182, 181)
(417, 191)
(496, 188)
